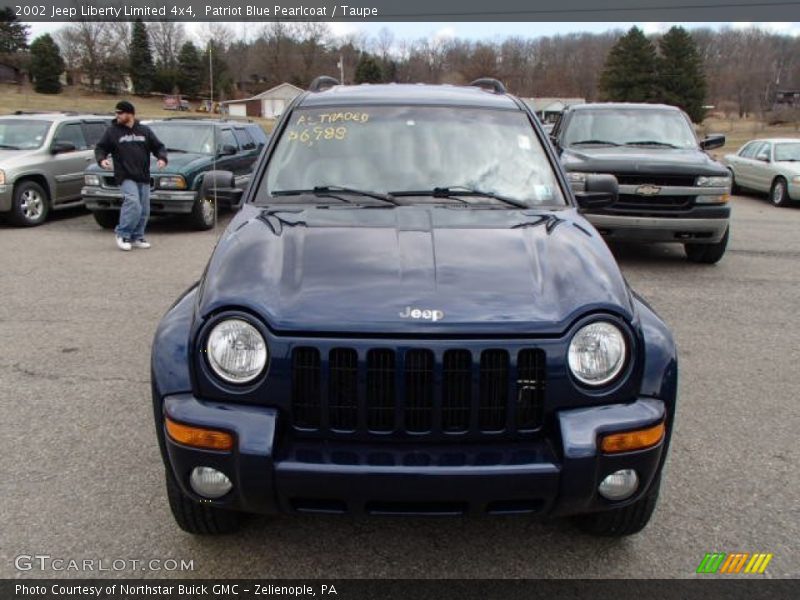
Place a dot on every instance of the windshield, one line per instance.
(185, 137)
(17, 134)
(789, 151)
(621, 127)
(474, 153)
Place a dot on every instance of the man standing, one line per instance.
(131, 143)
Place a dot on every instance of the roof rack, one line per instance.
(490, 83)
(322, 82)
(227, 119)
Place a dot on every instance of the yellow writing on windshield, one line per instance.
(333, 117)
(310, 135)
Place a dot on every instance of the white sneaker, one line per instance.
(140, 244)
(122, 243)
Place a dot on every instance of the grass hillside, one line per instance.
(13, 97)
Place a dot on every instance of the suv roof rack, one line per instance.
(322, 82)
(490, 83)
(207, 118)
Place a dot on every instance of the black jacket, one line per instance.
(131, 148)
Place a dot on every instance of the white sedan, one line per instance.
(771, 166)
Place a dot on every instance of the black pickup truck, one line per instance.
(670, 190)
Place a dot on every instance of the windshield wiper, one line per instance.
(650, 143)
(605, 142)
(177, 150)
(461, 190)
(330, 190)
(9, 147)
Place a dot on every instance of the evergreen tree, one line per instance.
(681, 79)
(368, 70)
(190, 70)
(13, 35)
(630, 70)
(46, 65)
(141, 67)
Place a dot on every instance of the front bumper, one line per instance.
(697, 229)
(161, 201)
(272, 472)
(6, 196)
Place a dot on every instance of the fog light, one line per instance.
(210, 483)
(619, 485)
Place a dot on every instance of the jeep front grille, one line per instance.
(415, 392)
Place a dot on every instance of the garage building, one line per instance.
(268, 105)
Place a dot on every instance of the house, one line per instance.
(10, 74)
(268, 105)
(549, 109)
(786, 99)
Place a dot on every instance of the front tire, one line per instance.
(107, 219)
(735, 189)
(202, 215)
(707, 254)
(196, 518)
(779, 194)
(621, 522)
(30, 205)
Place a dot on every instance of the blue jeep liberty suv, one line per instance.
(409, 316)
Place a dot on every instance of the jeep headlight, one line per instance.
(237, 352)
(597, 353)
(704, 181)
(91, 180)
(172, 182)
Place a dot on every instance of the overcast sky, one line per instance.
(474, 31)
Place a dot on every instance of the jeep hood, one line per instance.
(351, 270)
(639, 159)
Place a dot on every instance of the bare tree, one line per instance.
(167, 38)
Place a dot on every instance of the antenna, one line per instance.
(211, 110)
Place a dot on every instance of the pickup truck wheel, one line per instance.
(197, 518)
(30, 205)
(779, 194)
(202, 216)
(107, 219)
(621, 522)
(707, 253)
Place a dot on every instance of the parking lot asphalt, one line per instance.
(82, 477)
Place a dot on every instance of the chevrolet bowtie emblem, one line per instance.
(648, 189)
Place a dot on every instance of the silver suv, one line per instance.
(42, 159)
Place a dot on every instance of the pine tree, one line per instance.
(13, 35)
(190, 70)
(681, 79)
(46, 65)
(142, 69)
(368, 70)
(630, 70)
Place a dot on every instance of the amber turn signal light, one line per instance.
(197, 437)
(632, 440)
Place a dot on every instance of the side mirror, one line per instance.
(227, 150)
(222, 186)
(715, 140)
(763, 158)
(601, 191)
(62, 147)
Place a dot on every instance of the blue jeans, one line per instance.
(135, 210)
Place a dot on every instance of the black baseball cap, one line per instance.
(124, 106)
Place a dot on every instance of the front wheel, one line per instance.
(30, 205)
(621, 522)
(779, 194)
(107, 219)
(203, 214)
(735, 189)
(707, 253)
(196, 518)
